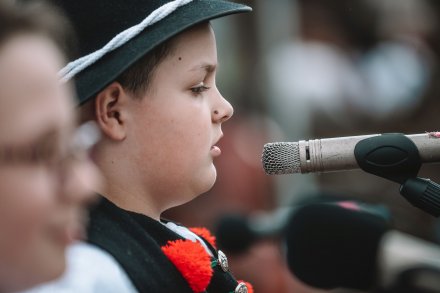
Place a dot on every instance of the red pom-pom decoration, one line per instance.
(205, 234)
(192, 261)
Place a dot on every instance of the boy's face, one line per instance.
(40, 193)
(174, 129)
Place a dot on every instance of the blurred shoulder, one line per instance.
(89, 270)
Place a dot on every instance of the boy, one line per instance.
(146, 76)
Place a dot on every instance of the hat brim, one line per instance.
(97, 76)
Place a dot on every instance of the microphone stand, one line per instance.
(422, 193)
(395, 157)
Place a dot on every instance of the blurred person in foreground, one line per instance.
(44, 182)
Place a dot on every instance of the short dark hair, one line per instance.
(137, 78)
(36, 17)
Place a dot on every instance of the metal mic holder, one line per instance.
(395, 157)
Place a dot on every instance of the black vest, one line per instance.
(135, 241)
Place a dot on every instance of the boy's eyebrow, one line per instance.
(205, 66)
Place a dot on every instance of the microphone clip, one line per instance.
(395, 157)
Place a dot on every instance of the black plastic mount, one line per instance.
(395, 157)
(391, 156)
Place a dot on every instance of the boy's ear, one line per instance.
(110, 110)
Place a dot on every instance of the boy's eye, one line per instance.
(199, 88)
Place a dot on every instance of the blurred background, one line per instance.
(305, 69)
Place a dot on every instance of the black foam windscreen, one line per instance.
(331, 246)
(234, 234)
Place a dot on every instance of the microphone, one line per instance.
(331, 246)
(393, 156)
(335, 154)
(235, 233)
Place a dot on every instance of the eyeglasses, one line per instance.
(49, 150)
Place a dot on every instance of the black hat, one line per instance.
(144, 24)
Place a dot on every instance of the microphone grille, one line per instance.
(281, 158)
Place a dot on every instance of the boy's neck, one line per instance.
(132, 201)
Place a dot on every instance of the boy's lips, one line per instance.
(215, 151)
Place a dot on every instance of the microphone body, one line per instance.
(332, 154)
